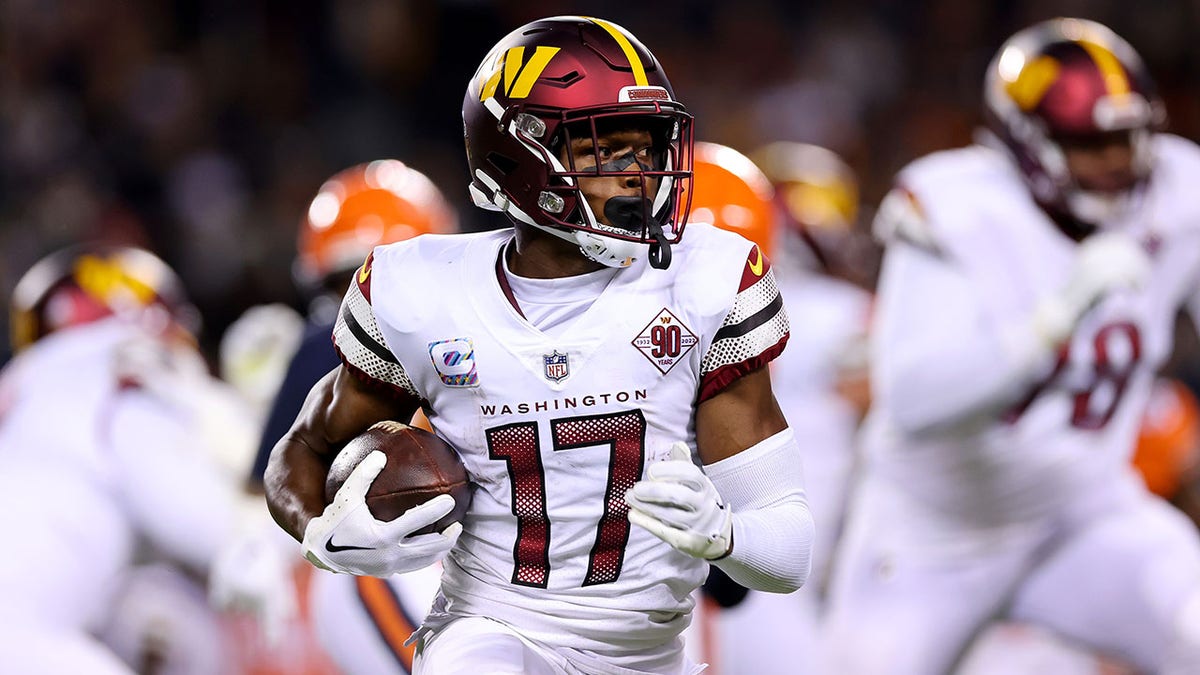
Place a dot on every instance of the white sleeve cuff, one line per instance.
(772, 526)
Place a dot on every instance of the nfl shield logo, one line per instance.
(556, 366)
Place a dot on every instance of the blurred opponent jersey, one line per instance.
(554, 430)
(1078, 425)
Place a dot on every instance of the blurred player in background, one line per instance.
(803, 214)
(576, 362)
(361, 622)
(1028, 295)
(354, 211)
(1167, 456)
(105, 435)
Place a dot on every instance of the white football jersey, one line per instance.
(554, 430)
(970, 209)
(95, 461)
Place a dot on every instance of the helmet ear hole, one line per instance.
(502, 163)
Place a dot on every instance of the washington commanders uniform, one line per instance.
(554, 427)
(96, 462)
(1003, 492)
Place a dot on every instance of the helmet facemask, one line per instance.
(622, 228)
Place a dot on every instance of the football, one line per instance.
(420, 466)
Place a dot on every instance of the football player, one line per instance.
(1028, 295)
(362, 623)
(354, 210)
(825, 266)
(103, 446)
(585, 363)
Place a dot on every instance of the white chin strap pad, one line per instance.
(607, 250)
(1097, 208)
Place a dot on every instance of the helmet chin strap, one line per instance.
(660, 250)
(625, 213)
(633, 214)
(607, 251)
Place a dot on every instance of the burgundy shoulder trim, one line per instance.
(720, 379)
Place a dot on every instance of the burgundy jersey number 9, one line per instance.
(1117, 351)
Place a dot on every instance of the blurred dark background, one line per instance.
(201, 128)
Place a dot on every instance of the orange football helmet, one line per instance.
(733, 194)
(362, 207)
(1168, 444)
(81, 284)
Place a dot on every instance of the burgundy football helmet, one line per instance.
(564, 78)
(82, 284)
(1070, 78)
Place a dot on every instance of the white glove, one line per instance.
(1105, 262)
(346, 538)
(253, 574)
(680, 505)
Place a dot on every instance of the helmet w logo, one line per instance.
(516, 74)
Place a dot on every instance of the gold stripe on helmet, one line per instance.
(639, 70)
(106, 281)
(1032, 83)
(1115, 79)
(530, 72)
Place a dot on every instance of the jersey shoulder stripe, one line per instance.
(754, 331)
(360, 342)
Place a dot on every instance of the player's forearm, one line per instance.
(772, 548)
(772, 526)
(962, 379)
(939, 359)
(295, 484)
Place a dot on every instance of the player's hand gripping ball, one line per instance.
(420, 466)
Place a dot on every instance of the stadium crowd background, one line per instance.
(200, 128)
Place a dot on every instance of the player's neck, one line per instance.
(537, 255)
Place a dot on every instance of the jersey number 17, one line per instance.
(519, 446)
